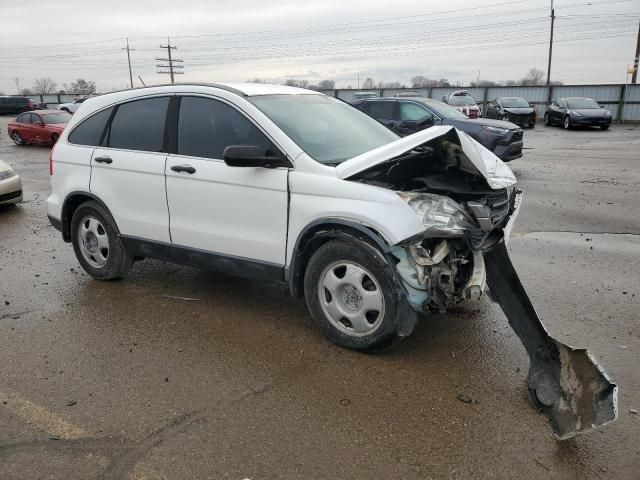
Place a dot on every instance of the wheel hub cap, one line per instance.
(93, 241)
(351, 298)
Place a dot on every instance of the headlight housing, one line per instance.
(7, 174)
(440, 215)
(492, 129)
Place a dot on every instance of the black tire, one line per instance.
(53, 139)
(118, 261)
(17, 139)
(533, 125)
(605, 127)
(65, 110)
(393, 325)
(566, 122)
(547, 120)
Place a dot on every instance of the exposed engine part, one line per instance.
(441, 276)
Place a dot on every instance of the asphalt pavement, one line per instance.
(174, 373)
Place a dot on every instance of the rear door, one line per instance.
(27, 132)
(232, 211)
(38, 131)
(127, 171)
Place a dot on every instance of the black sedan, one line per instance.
(512, 109)
(574, 111)
(409, 115)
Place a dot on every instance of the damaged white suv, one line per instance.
(286, 184)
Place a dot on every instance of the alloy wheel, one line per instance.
(17, 139)
(351, 298)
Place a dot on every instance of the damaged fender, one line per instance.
(566, 383)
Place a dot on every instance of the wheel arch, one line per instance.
(71, 202)
(319, 232)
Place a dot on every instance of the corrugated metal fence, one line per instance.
(622, 100)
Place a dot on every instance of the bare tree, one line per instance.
(327, 84)
(256, 80)
(297, 83)
(368, 83)
(423, 82)
(533, 77)
(82, 87)
(26, 92)
(44, 86)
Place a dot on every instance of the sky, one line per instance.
(346, 41)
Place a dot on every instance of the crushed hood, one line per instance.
(494, 170)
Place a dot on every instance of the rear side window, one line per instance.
(413, 112)
(382, 110)
(139, 125)
(89, 132)
(206, 127)
(24, 118)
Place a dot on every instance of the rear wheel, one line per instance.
(97, 244)
(352, 296)
(65, 110)
(17, 139)
(605, 127)
(53, 139)
(566, 123)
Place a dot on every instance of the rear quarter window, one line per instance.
(90, 130)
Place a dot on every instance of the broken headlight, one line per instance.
(440, 215)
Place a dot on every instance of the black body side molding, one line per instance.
(192, 257)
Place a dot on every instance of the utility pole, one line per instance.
(172, 68)
(129, 60)
(634, 76)
(18, 85)
(553, 19)
(142, 81)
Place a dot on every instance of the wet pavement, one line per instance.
(119, 380)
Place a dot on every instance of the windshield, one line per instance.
(515, 102)
(328, 130)
(444, 111)
(581, 103)
(461, 100)
(62, 117)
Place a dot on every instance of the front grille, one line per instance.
(10, 196)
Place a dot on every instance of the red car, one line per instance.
(44, 126)
(463, 101)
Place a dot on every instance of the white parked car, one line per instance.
(290, 185)
(71, 107)
(10, 185)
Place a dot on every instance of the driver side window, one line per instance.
(414, 112)
(206, 127)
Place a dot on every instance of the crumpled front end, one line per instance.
(467, 202)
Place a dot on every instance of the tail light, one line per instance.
(51, 160)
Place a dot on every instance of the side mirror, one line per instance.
(251, 156)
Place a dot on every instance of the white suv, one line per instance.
(283, 184)
(71, 107)
(290, 185)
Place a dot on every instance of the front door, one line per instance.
(236, 212)
(127, 173)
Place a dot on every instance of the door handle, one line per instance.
(183, 168)
(102, 160)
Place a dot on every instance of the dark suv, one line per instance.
(409, 115)
(16, 105)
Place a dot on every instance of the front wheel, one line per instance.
(352, 294)
(566, 123)
(547, 120)
(97, 244)
(605, 127)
